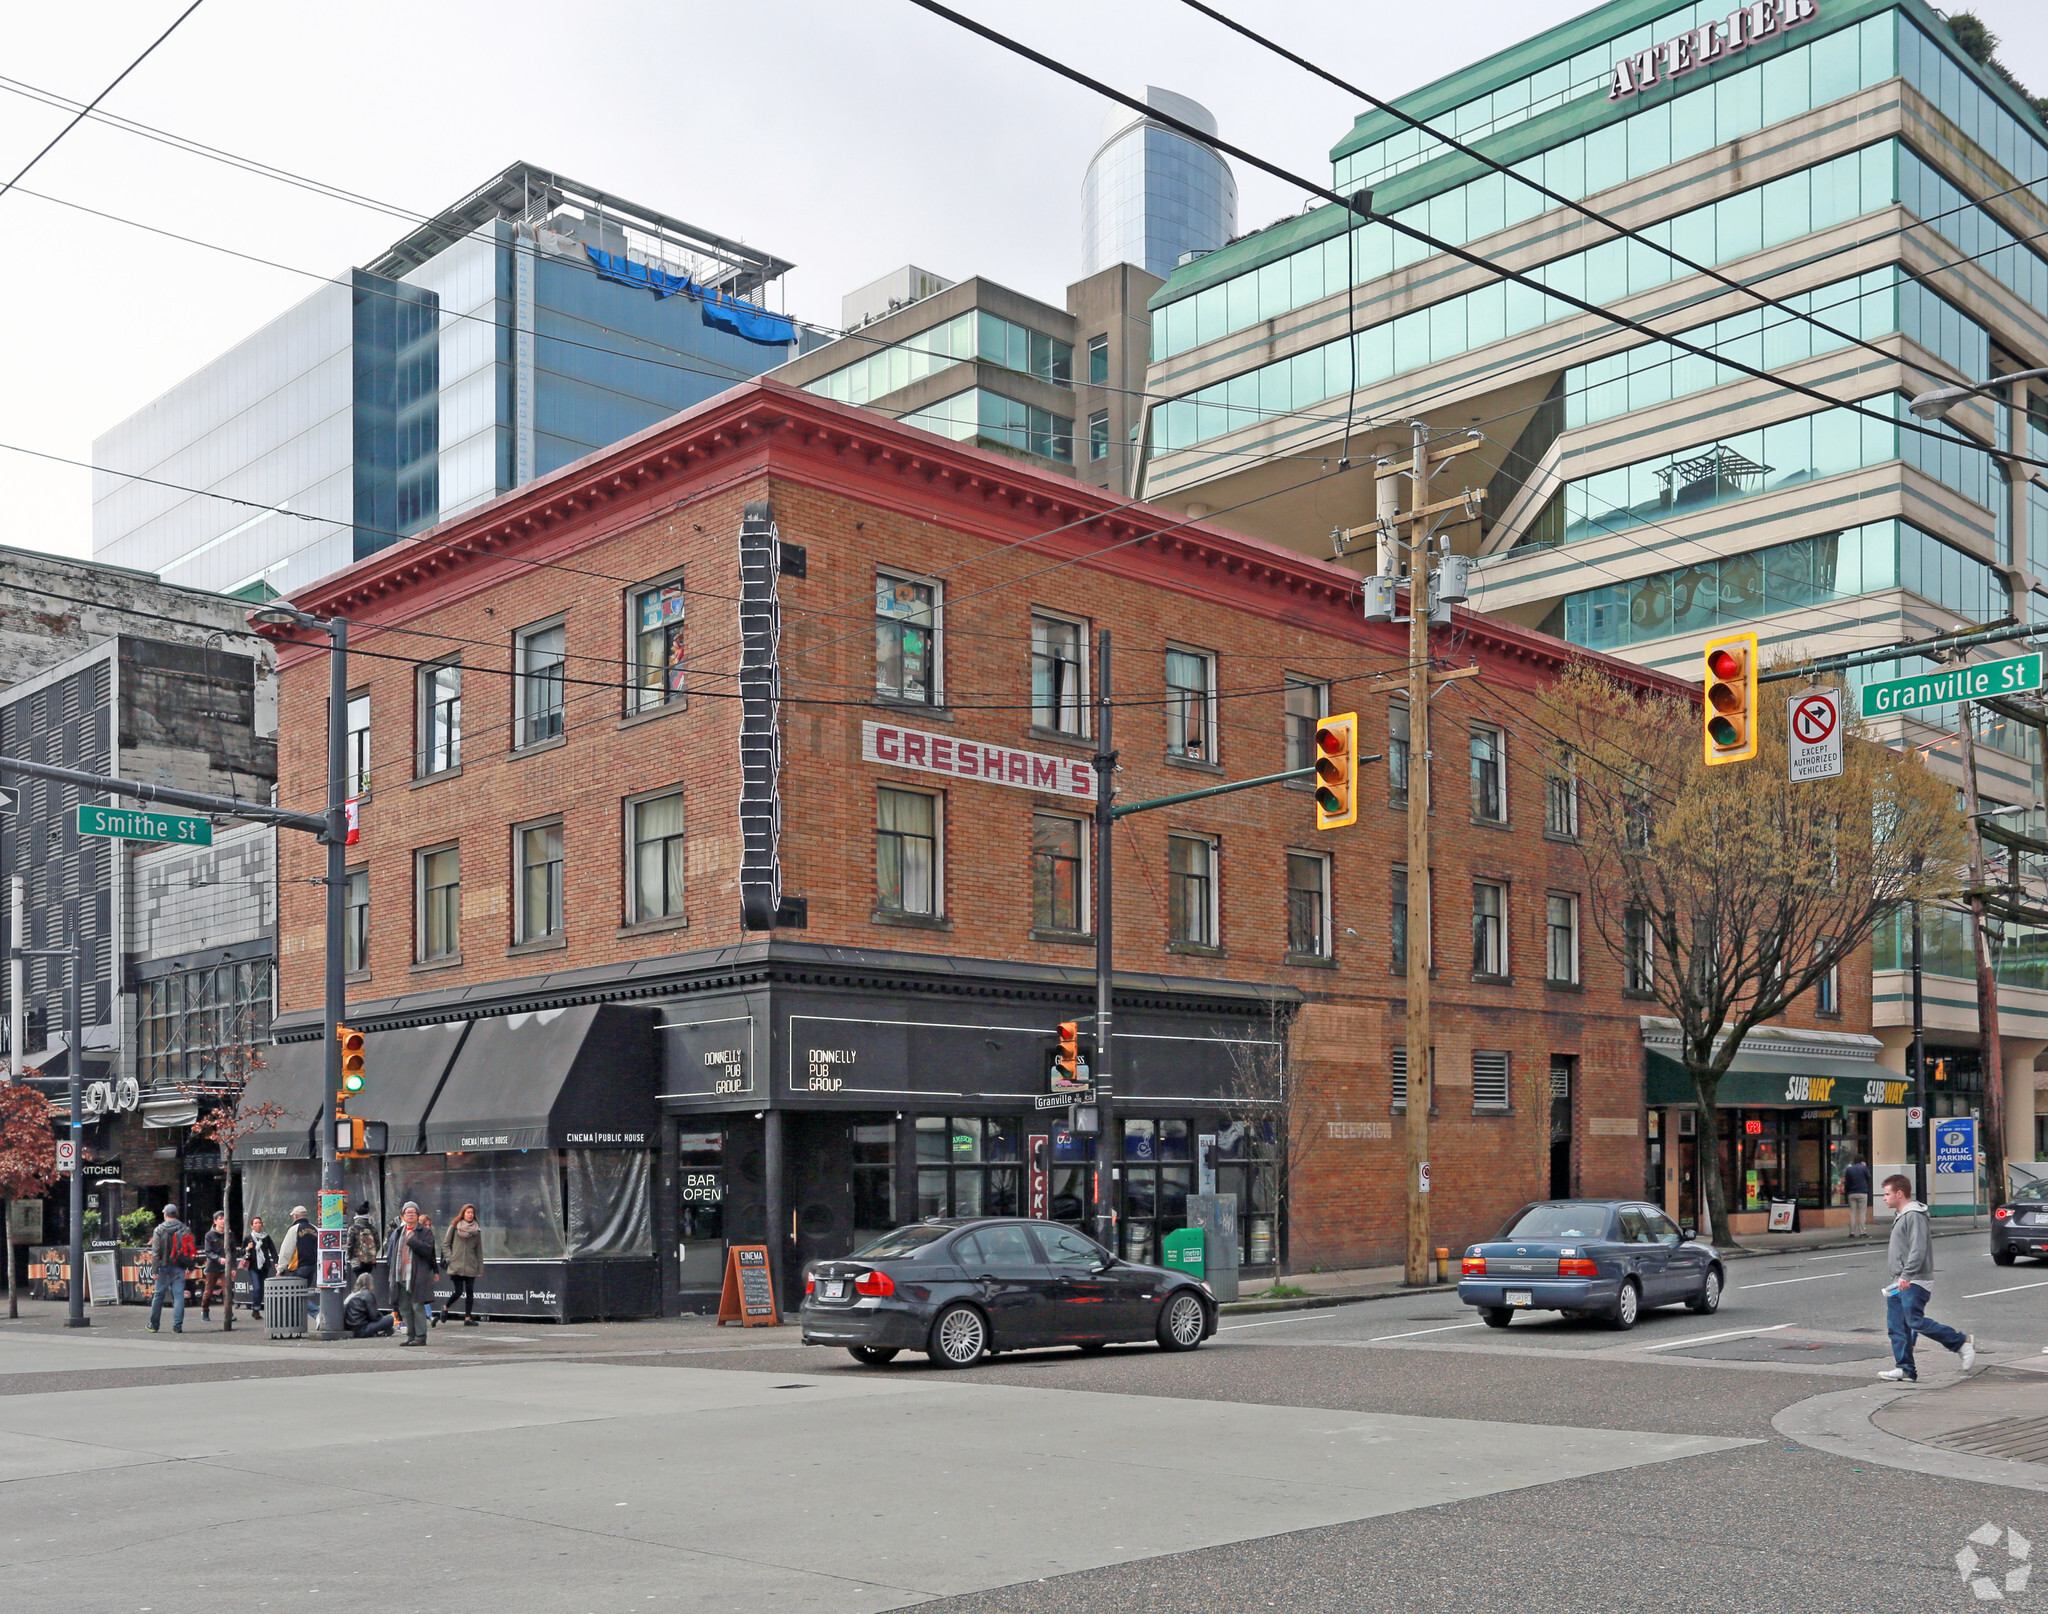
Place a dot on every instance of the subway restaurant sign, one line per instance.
(2011, 677)
(125, 824)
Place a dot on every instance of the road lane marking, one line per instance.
(1701, 1339)
(1450, 1328)
(2015, 1289)
(1811, 1277)
(1322, 1314)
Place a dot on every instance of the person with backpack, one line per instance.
(300, 1251)
(259, 1255)
(362, 1243)
(172, 1254)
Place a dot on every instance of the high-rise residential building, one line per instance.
(534, 322)
(1151, 195)
(1880, 200)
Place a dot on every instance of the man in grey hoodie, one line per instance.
(1910, 1262)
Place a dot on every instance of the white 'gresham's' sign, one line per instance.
(970, 759)
(1710, 42)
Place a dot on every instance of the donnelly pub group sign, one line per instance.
(1709, 43)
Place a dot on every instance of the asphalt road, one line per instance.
(1386, 1455)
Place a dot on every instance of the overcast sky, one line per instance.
(849, 137)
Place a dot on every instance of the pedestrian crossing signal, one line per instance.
(1728, 698)
(351, 1058)
(1337, 771)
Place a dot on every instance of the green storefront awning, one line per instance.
(1760, 1079)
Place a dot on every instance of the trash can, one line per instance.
(285, 1298)
(1183, 1251)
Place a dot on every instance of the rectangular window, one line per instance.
(440, 720)
(356, 910)
(654, 628)
(1398, 921)
(1397, 752)
(1489, 778)
(1191, 889)
(907, 852)
(359, 745)
(205, 1024)
(1489, 920)
(438, 878)
(1489, 1080)
(1561, 935)
(1098, 435)
(541, 656)
(1305, 700)
(654, 834)
(538, 851)
(1308, 904)
(1561, 798)
(1059, 674)
(906, 639)
(1098, 361)
(1191, 704)
(1828, 991)
(1058, 876)
(1638, 952)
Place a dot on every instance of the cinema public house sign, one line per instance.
(1710, 42)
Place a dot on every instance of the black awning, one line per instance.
(573, 1078)
(293, 1078)
(402, 1072)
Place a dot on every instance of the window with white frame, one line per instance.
(1191, 704)
(537, 854)
(1191, 889)
(437, 876)
(1561, 938)
(1489, 774)
(1638, 952)
(440, 719)
(907, 638)
(654, 858)
(355, 904)
(654, 628)
(1098, 435)
(359, 744)
(1489, 928)
(1059, 673)
(1489, 1080)
(907, 861)
(540, 656)
(1059, 873)
(1561, 797)
(1308, 904)
(1303, 701)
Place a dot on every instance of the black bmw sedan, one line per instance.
(962, 1288)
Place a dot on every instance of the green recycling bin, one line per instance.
(1184, 1252)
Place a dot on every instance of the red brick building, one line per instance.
(571, 1018)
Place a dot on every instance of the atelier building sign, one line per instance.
(1710, 42)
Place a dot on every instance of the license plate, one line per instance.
(1518, 1297)
(832, 1288)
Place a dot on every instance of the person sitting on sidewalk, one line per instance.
(1910, 1261)
(360, 1313)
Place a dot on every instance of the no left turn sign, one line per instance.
(1813, 742)
(67, 1154)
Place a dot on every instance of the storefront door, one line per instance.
(820, 1151)
(700, 1204)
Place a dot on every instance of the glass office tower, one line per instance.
(1151, 196)
(536, 321)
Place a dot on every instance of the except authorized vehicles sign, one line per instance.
(126, 824)
(1813, 741)
(2011, 677)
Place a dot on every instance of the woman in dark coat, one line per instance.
(259, 1255)
(462, 1258)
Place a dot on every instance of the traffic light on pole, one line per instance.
(1728, 687)
(1066, 1063)
(1337, 771)
(351, 1058)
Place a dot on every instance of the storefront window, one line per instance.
(1793, 1154)
(874, 1180)
(518, 1198)
(610, 1202)
(967, 1166)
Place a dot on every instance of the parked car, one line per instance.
(961, 1288)
(2020, 1226)
(1610, 1258)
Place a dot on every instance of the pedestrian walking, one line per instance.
(462, 1258)
(217, 1271)
(427, 1227)
(1856, 1187)
(410, 1262)
(259, 1255)
(171, 1255)
(1910, 1262)
(360, 1313)
(299, 1252)
(362, 1242)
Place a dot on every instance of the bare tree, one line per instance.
(1261, 1092)
(28, 1162)
(1727, 893)
(229, 1117)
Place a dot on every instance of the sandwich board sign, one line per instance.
(749, 1294)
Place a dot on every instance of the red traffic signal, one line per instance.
(1066, 1061)
(1728, 698)
(1337, 771)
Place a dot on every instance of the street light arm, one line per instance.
(1936, 404)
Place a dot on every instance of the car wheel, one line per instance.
(1628, 1306)
(2004, 1258)
(1093, 1347)
(959, 1337)
(1182, 1323)
(1496, 1316)
(1708, 1300)
(873, 1355)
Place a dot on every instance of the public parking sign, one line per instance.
(1955, 1145)
(1813, 742)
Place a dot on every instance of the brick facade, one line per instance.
(857, 494)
